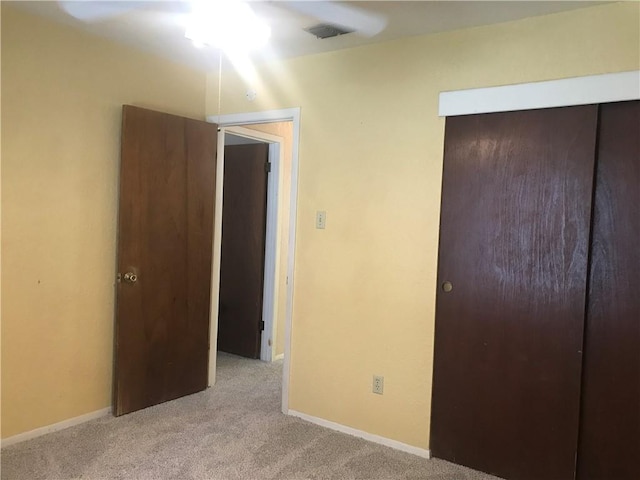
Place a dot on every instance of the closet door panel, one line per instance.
(516, 206)
(610, 426)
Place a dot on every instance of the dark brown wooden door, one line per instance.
(244, 221)
(610, 426)
(167, 181)
(516, 206)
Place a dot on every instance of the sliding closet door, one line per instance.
(610, 426)
(516, 206)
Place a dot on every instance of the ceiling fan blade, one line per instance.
(353, 18)
(94, 11)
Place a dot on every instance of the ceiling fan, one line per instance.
(344, 16)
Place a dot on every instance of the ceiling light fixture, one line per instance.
(230, 25)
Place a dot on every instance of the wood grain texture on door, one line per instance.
(610, 425)
(244, 223)
(516, 206)
(165, 231)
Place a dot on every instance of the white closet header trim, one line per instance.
(609, 87)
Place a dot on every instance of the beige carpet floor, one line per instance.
(234, 430)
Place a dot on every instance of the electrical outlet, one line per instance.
(321, 219)
(378, 384)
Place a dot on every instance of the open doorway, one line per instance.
(281, 136)
(249, 266)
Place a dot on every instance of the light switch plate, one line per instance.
(321, 219)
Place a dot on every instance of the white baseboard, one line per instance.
(278, 357)
(387, 442)
(70, 422)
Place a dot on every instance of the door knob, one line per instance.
(130, 277)
(447, 287)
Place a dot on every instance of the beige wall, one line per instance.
(371, 156)
(284, 130)
(62, 93)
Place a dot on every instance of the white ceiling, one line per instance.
(158, 27)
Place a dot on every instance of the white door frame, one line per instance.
(233, 120)
(271, 250)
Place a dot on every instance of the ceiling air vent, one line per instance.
(325, 30)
